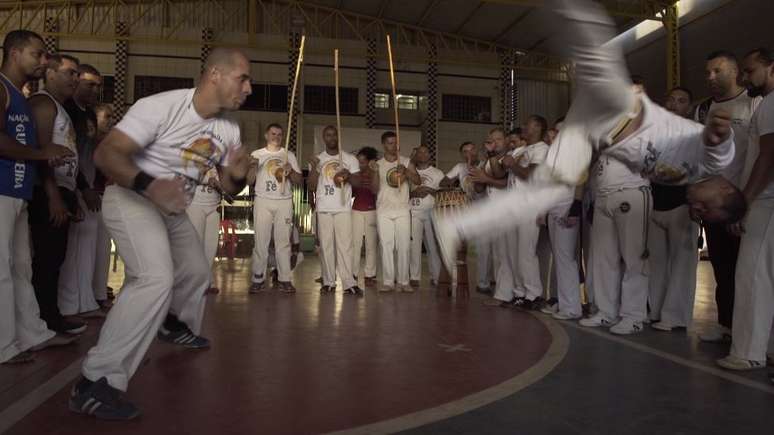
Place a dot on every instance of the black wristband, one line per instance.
(141, 182)
(575, 208)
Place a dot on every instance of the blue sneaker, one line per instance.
(183, 337)
(100, 400)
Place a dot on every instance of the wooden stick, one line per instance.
(395, 104)
(292, 105)
(338, 120)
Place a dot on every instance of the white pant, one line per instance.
(20, 324)
(101, 260)
(364, 226)
(564, 243)
(206, 221)
(268, 214)
(422, 229)
(76, 280)
(484, 251)
(335, 232)
(674, 256)
(547, 263)
(527, 266)
(166, 272)
(505, 249)
(394, 227)
(618, 244)
(754, 298)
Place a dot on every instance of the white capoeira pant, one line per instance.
(101, 260)
(564, 249)
(272, 215)
(20, 324)
(166, 272)
(364, 228)
(394, 227)
(422, 230)
(76, 293)
(674, 256)
(754, 299)
(335, 232)
(619, 262)
(526, 267)
(505, 249)
(206, 221)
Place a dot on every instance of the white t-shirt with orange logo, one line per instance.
(175, 140)
(431, 177)
(269, 164)
(392, 196)
(329, 195)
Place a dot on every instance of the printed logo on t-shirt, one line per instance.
(273, 168)
(393, 178)
(329, 171)
(203, 153)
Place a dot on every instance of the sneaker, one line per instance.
(561, 315)
(328, 289)
(257, 287)
(355, 291)
(414, 283)
(550, 308)
(183, 337)
(100, 400)
(68, 326)
(626, 327)
(318, 280)
(386, 288)
(719, 334)
(530, 305)
(286, 287)
(666, 326)
(448, 240)
(407, 288)
(596, 321)
(733, 363)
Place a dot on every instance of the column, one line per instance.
(370, 111)
(122, 64)
(431, 126)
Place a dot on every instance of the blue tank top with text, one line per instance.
(17, 177)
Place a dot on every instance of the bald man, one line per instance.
(157, 155)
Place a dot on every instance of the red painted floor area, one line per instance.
(305, 363)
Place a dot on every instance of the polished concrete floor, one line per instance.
(421, 363)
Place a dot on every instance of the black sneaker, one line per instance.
(68, 327)
(529, 305)
(356, 291)
(328, 289)
(257, 287)
(100, 400)
(183, 337)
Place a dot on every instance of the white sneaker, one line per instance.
(561, 315)
(550, 309)
(665, 326)
(596, 321)
(626, 327)
(733, 363)
(448, 240)
(720, 334)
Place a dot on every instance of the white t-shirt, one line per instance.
(431, 177)
(513, 180)
(391, 196)
(491, 190)
(206, 195)
(269, 162)
(762, 124)
(741, 109)
(64, 134)
(329, 196)
(176, 142)
(460, 172)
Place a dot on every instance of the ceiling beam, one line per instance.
(513, 25)
(640, 9)
(426, 13)
(382, 7)
(467, 18)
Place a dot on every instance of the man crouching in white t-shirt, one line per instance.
(156, 156)
(273, 208)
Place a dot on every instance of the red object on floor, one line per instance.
(228, 239)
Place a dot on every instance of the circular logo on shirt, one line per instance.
(330, 168)
(203, 153)
(273, 167)
(393, 178)
(625, 207)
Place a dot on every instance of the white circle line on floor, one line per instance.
(556, 352)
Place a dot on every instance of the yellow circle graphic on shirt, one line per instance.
(273, 167)
(393, 178)
(330, 169)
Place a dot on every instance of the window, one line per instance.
(406, 101)
(322, 99)
(466, 108)
(381, 101)
(268, 98)
(149, 85)
(108, 89)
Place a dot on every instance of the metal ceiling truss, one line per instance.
(637, 9)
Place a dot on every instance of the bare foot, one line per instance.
(57, 340)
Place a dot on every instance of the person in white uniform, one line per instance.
(76, 292)
(21, 328)
(422, 203)
(672, 244)
(332, 176)
(156, 156)
(203, 213)
(754, 300)
(722, 74)
(273, 171)
(608, 116)
(391, 179)
(461, 173)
